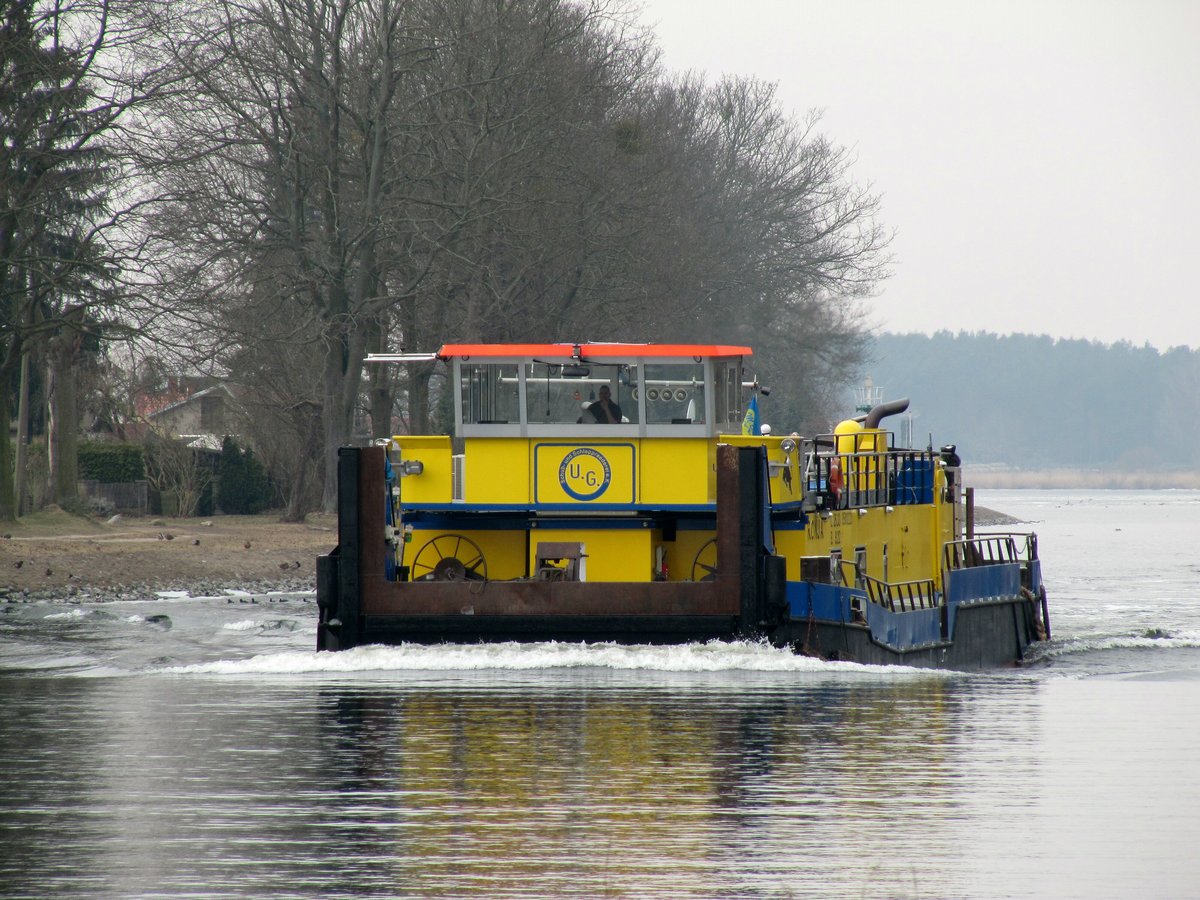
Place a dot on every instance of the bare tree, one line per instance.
(762, 237)
(67, 86)
(281, 412)
(174, 470)
(356, 175)
(281, 142)
(521, 204)
(512, 222)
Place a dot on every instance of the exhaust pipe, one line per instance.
(882, 411)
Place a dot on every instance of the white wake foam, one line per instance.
(71, 614)
(1167, 641)
(710, 657)
(243, 625)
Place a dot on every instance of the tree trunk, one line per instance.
(19, 474)
(66, 475)
(63, 409)
(296, 508)
(379, 389)
(418, 398)
(8, 511)
(295, 511)
(333, 431)
(380, 394)
(343, 369)
(65, 399)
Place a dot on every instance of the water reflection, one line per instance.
(551, 771)
(206, 787)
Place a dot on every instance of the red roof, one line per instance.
(592, 351)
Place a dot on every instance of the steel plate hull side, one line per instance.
(980, 627)
(989, 635)
(983, 583)
(900, 631)
(550, 599)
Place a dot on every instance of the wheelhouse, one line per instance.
(548, 390)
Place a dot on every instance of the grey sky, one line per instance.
(1039, 161)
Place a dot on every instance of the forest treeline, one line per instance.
(267, 190)
(1038, 402)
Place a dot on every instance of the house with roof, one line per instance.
(202, 418)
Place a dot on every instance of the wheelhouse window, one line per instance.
(674, 393)
(728, 400)
(566, 393)
(547, 394)
(490, 393)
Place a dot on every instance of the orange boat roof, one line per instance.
(592, 351)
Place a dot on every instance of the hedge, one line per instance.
(111, 463)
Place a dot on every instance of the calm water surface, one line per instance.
(199, 748)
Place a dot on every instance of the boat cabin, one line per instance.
(603, 425)
(551, 390)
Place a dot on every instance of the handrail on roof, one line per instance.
(594, 351)
(400, 357)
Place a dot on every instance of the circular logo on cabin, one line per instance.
(584, 474)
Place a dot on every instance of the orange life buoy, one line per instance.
(835, 478)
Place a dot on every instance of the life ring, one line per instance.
(835, 479)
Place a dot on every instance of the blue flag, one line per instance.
(750, 421)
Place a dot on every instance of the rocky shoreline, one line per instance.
(53, 555)
(990, 518)
(235, 591)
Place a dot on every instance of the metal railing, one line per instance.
(901, 596)
(896, 596)
(1024, 543)
(983, 550)
(1019, 547)
(888, 478)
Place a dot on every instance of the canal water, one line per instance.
(199, 747)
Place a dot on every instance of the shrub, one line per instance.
(111, 463)
(241, 480)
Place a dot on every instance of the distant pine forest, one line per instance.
(1035, 411)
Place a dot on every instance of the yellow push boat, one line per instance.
(626, 492)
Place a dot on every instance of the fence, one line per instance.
(124, 496)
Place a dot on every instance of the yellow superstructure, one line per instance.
(634, 501)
